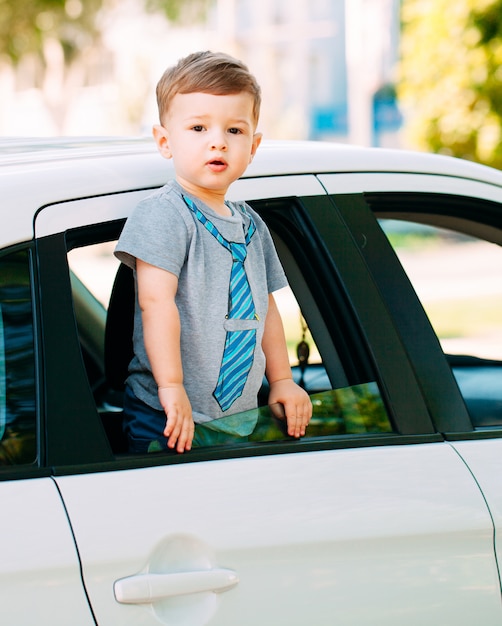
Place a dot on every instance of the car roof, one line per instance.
(23, 150)
(272, 159)
(36, 172)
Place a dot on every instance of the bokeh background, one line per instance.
(423, 74)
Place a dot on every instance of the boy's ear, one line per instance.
(257, 137)
(162, 140)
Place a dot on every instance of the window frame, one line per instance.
(478, 217)
(344, 221)
(89, 451)
(80, 440)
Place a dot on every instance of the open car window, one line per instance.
(103, 295)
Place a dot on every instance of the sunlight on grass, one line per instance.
(465, 317)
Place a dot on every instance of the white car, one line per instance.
(389, 510)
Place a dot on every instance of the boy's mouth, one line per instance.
(217, 164)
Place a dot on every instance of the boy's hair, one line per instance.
(215, 73)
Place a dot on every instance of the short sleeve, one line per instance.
(156, 232)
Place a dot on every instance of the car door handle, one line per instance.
(147, 588)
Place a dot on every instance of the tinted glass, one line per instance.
(17, 364)
(458, 279)
(350, 411)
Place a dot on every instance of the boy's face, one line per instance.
(211, 139)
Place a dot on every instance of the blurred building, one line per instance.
(326, 68)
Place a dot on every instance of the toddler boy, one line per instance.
(206, 324)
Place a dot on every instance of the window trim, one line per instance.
(347, 244)
(74, 433)
(437, 380)
(52, 258)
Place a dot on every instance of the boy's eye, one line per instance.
(198, 128)
(234, 131)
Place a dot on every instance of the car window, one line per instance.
(103, 294)
(458, 278)
(346, 410)
(17, 362)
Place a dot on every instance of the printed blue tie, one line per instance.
(238, 353)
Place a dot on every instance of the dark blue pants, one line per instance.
(143, 425)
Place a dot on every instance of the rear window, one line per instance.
(17, 362)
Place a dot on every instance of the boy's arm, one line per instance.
(283, 389)
(161, 328)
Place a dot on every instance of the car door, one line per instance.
(350, 525)
(40, 578)
(447, 233)
(288, 538)
(454, 266)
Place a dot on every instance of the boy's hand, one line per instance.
(179, 429)
(296, 403)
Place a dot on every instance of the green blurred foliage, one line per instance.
(180, 10)
(18, 447)
(57, 46)
(357, 410)
(26, 24)
(450, 83)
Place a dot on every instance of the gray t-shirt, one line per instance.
(164, 232)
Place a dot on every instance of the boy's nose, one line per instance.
(218, 142)
(222, 146)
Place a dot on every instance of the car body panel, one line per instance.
(58, 217)
(404, 528)
(39, 566)
(484, 459)
(396, 182)
(275, 187)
